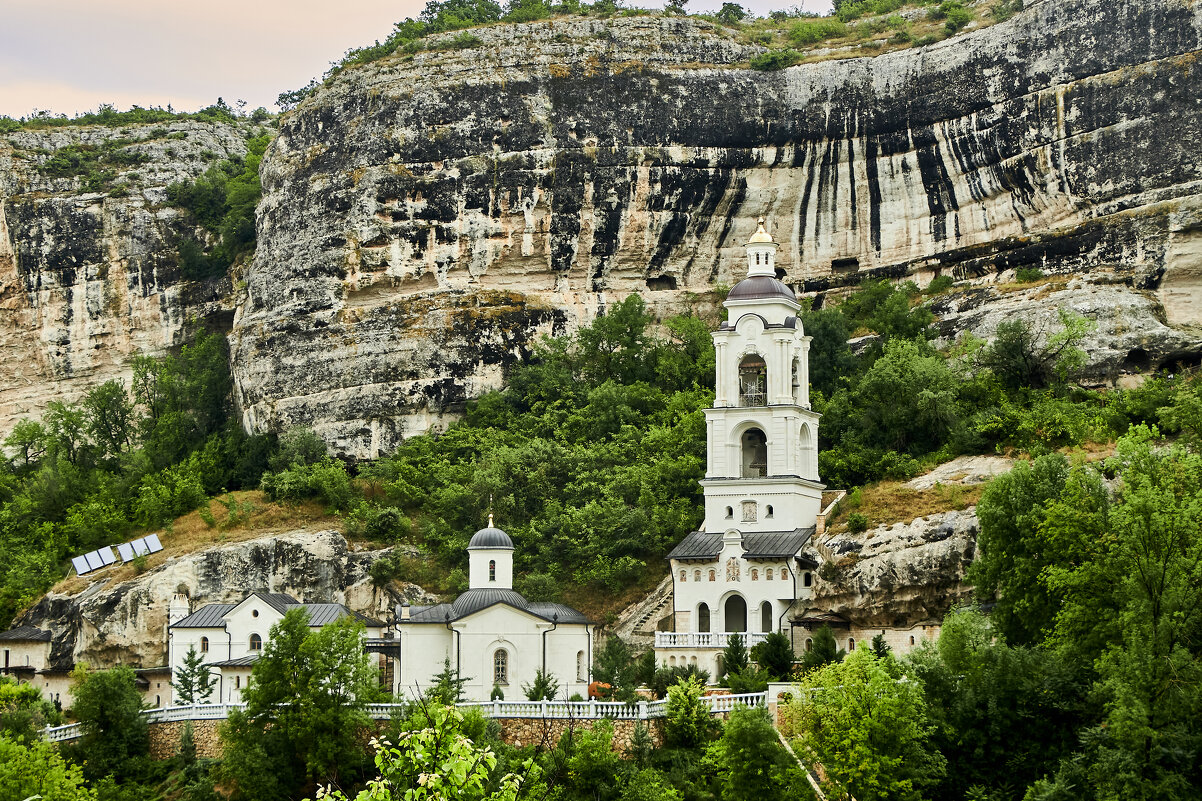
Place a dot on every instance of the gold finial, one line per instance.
(490, 520)
(760, 235)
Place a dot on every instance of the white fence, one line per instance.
(703, 639)
(562, 710)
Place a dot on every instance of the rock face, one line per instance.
(1130, 335)
(901, 575)
(127, 622)
(89, 278)
(426, 218)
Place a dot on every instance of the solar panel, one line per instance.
(107, 556)
(140, 547)
(126, 550)
(94, 561)
(81, 565)
(152, 542)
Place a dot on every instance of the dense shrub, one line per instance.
(775, 60)
(812, 31)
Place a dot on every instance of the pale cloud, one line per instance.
(69, 56)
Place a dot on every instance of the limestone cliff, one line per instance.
(126, 622)
(427, 217)
(89, 274)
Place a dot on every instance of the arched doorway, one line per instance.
(735, 613)
(766, 617)
(755, 453)
(703, 618)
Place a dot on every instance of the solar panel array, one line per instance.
(104, 557)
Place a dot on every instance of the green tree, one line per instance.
(446, 686)
(305, 709)
(774, 654)
(437, 763)
(110, 418)
(1143, 589)
(734, 655)
(868, 728)
(544, 687)
(615, 665)
(66, 427)
(688, 722)
(731, 13)
(750, 762)
(28, 440)
(194, 680)
(37, 771)
(23, 711)
(1022, 356)
(823, 650)
(1041, 514)
(108, 706)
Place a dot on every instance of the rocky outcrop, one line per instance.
(89, 274)
(126, 622)
(900, 575)
(1130, 335)
(427, 217)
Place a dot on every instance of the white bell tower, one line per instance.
(762, 436)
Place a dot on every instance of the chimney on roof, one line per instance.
(179, 609)
(404, 610)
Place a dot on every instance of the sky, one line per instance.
(69, 56)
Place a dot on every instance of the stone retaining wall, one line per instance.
(165, 736)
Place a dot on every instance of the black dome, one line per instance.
(761, 287)
(490, 537)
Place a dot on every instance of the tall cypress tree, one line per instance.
(194, 680)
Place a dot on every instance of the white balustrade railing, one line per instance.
(704, 639)
(562, 710)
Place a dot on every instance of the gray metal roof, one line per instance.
(25, 634)
(477, 600)
(756, 545)
(490, 537)
(559, 612)
(242, 661)
(758, 287)
(277, 600)
(209, 616)
(321, 614)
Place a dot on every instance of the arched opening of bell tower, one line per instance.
(755, 453)
(753, 381)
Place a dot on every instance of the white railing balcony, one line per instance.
(704, 639)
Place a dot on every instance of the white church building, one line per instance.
(491, 635)
(746, 569)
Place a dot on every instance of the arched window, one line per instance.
(204, 645)
(755, 453)
(500, 667)
(703, 618)
(256, 642)
(237, 682)
(158, 701)
(766, 616)
(797, 396)
(713, 575)
(911, 639)
(753, 381)
(768, 511)
(755, 574)
(809, 644)
(730, 513)
(580, 676)
(808, 469)
(768, 575)
(696, 575)
(492, 569)
(851, 645)
(684, 576)
(735, 614)
(808, 579)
